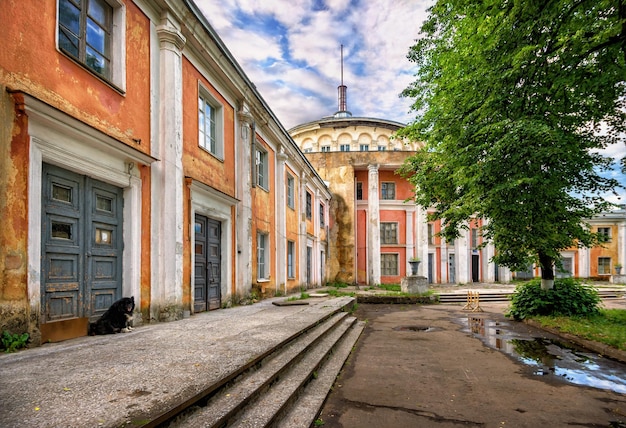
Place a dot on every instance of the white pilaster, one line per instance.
(281, 221)
(243, 165)
(373, 226)
(167, 178)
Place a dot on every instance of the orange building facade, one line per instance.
(138, 159)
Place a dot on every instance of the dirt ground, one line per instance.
(419, 366)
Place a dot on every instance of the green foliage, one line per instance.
(568, 298)
(509, 99)
(13, 342)
(608, 326)
(338, 284)
(337, 293)
(390, 287)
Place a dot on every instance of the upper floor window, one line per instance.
(431, 234)
(344, 148)
(309, 207)
(388, 233)
(290, 191)
(359, 191)
(364, 147)
(262, 168)
(92, 33)
(388, 191)
(325, 148)
(308, 150)
(322, 218)
(382, 148)
(605, 232)
(474, 239)
(210, 125)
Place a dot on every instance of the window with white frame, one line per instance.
(389, 264)
(309, 206)
(604, 265)
(344, 148)
(291, 259)
(262, 254)
(388, 191)
(388, 233)
(92, 32)
(262, 168)
(364, 147)
(325, 149)
(210, 124)
(382, 148)
(605, 233)
(290, 191)
(322, 218)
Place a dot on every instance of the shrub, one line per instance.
(13, 342)
(568, 298)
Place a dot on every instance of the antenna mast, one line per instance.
(343, 104)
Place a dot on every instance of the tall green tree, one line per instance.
(513, 100)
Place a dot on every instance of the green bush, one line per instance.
(13, 342)
(568, 298)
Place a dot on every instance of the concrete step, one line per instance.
(258, 396)
(305, 410)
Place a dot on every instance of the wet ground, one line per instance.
(423, 366)
(545, 354)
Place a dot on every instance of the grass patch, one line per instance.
(303, 296)
(390, 287)
(608, 326)
(337, 284)
(337, 293)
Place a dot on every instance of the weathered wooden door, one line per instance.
(81, 245)
(207, 272)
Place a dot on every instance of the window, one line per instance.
(388, 191)
(604, 265)
(309, 206)
(92, 32)
(210, 125)
(359, 191)
(605, 233)
(262, 168)
(431, 234)
(322, 220)
(474, 239)
(388, 233)
(344, 148)
(291, 258)
(364, 147)
(290, 187)
(381, 148)
(389, 264)
(261, 255)
(325, 148)
(309, 150)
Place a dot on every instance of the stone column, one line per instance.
(373, 227)
(244, 250)
(281, 221)
(167, 178)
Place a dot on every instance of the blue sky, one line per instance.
(291, 52)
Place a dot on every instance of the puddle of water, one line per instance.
(550, 357)
(413, 328)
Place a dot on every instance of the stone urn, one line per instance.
(414, 265)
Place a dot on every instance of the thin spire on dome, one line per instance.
(342, 95)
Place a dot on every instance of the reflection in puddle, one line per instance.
(550, 356)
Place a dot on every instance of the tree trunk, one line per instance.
(547, 272)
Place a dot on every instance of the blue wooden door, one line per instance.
(81, 245)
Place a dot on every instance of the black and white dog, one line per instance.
(116, 319)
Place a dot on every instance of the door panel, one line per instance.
(207, 269)
(214, 291)
(82, 245)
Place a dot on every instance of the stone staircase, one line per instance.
(284, 388)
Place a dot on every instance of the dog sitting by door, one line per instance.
(116, 319)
